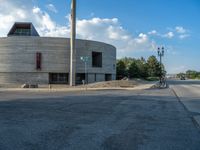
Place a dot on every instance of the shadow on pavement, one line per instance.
(114, 121)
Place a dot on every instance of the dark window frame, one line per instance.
(108, 77)
(97, 59)
(58, 78)
(38, 61)
(80, 77)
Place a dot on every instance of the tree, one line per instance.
(142, 66)
(139, 68)
(127, 61)
(121, 69)
(134, 70)
(153, 67)
(191, 74)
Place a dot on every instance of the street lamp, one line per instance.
(85, 59)
(161, 54)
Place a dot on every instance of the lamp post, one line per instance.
(85, 59)
(161, 51)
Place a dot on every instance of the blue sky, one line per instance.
(135, 27)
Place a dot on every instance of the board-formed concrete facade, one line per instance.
(18, 59)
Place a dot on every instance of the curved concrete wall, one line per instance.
(18, 58)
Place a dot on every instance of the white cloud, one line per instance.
(52, 8)
(7, 17)
(180, 29)
(142, 38)
(182, 32)
(107, 30)
(169, 35)
(153, 32)
(177, 31)
(183, 36)
(110, 31)
(43, 21)
(28, 13)
(36, 10)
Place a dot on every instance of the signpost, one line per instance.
(85, 59)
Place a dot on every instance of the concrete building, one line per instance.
(25, 57)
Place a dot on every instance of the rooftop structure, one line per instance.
(23, 29)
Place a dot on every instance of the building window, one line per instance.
(95, 77)
(97, 59)
(80, 77)
(22, 32)
(38, 61)
(58, 78)
(108, 77)
(114, 66)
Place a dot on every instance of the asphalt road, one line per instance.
(188, 92)
(96, 120)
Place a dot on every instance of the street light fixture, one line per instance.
(161, 51)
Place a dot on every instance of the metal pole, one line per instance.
(86, 80)
(160, 68)
(73, 45)
(160, 54)
(85, 71)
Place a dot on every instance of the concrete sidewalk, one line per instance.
(189, 96)
(83, 88)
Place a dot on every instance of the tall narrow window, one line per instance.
(38, 61)
(97, 59)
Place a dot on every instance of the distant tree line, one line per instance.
(139, 68)
(190, 74)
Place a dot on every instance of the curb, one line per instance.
(73, 89)
(195, 119)
(158, 86)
